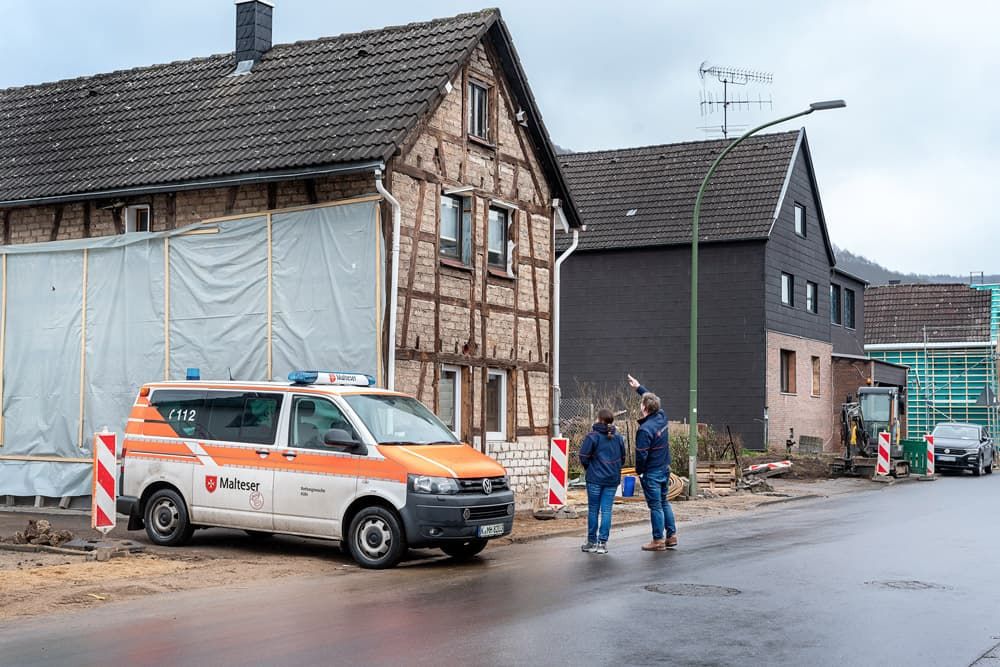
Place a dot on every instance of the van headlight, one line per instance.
(433, 485)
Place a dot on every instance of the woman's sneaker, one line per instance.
(602, 548)
(589, 547)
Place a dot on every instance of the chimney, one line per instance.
(253, 30)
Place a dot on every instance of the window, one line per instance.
(456, 228)
(800, 220)
(811, 292)
(835, 304)
(248, 417)
(787, 289)
(479, 111)
(497, 242)
(849, 308)
(312, 418)
(399, 420)
(496, 405)
(787, 371)
(450, 397)
(816, 376)
(138, 218)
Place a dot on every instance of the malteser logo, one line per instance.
(211, 482)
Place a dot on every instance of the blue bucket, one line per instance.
(628, 486)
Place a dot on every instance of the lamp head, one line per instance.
(828, 104)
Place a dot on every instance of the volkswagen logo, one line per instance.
(947, 451)
(487, 485)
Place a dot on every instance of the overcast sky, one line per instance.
(907, 172)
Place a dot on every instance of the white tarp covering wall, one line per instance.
(85, 323)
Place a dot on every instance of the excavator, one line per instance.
(876, 410)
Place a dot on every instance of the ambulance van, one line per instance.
(325, 455)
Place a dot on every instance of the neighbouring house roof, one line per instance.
(639, 197)
(346, 100)
(950, 314)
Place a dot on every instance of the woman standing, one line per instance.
(601, 455)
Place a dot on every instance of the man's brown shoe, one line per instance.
(655, 545)
(670, 542)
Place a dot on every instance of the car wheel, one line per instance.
(167, 522)
(989, 466)
(464, 550)
(375, 539)
(978, 470)
(259, 534)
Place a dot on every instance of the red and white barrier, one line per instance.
(777, 465)
(558, 467)
(930, 454)
(103, 511)
(882, 463)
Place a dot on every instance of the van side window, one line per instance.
(248, 417)
(312, 418)
(183, 410)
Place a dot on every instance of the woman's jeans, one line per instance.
(599, 498)
(655, 486)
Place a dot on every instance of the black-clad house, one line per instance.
(766, 262)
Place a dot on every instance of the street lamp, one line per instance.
(693, 407)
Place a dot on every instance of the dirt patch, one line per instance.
(803, 467)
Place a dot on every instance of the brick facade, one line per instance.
(806, 413)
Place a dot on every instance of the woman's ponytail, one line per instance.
(607, 418)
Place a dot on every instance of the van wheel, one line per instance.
(464, 550)
(167, 522)
(375, 539)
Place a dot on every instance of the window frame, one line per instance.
(505, 241)
(791, 290)
(501, 435)
(345, 415)
(812, 297)
(474, 120)
(130, 218)
(836, 307)
(817, 377)
(802, 233)
(463, 227)
(456, 399)
(850, 314)
(786, 371)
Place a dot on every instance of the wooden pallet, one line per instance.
(722, 475)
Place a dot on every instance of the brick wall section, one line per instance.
(807, 414)
(482, 320)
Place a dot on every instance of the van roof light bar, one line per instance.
(331, 377)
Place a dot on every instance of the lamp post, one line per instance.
(693, 406)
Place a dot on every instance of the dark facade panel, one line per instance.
(805, 258)
(628, 311)
(847, 340)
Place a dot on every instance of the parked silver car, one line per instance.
(959, 446)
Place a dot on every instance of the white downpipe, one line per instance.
(394, 280)
(556, 390)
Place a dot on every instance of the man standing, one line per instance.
(652, 464)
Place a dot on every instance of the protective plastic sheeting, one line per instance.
(327, 288)
(218, 302)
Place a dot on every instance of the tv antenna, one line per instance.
(710, 102)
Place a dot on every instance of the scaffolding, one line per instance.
(953, 382)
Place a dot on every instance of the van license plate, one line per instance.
(492, 530)
(946, 458)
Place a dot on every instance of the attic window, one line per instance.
(138, 218)
(631, 212)
(479, 111)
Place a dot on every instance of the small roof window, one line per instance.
(631, 212)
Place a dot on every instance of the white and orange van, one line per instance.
(325, 455)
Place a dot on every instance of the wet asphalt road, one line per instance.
(905, 574)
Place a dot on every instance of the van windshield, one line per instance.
(399, 420)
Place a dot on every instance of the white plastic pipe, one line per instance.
(394, 280)
(556, 390)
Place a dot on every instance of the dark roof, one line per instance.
(661, 183)
(337, 100)
(950, 313)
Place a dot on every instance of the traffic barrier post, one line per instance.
(882, 463)
(103, 493)
(930, 454)
(558, 471)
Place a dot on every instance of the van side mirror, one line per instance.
(340, 439)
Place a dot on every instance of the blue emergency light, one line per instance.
(331, 377)
(194, 374)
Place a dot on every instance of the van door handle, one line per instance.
(289, 454)
(263, 452)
